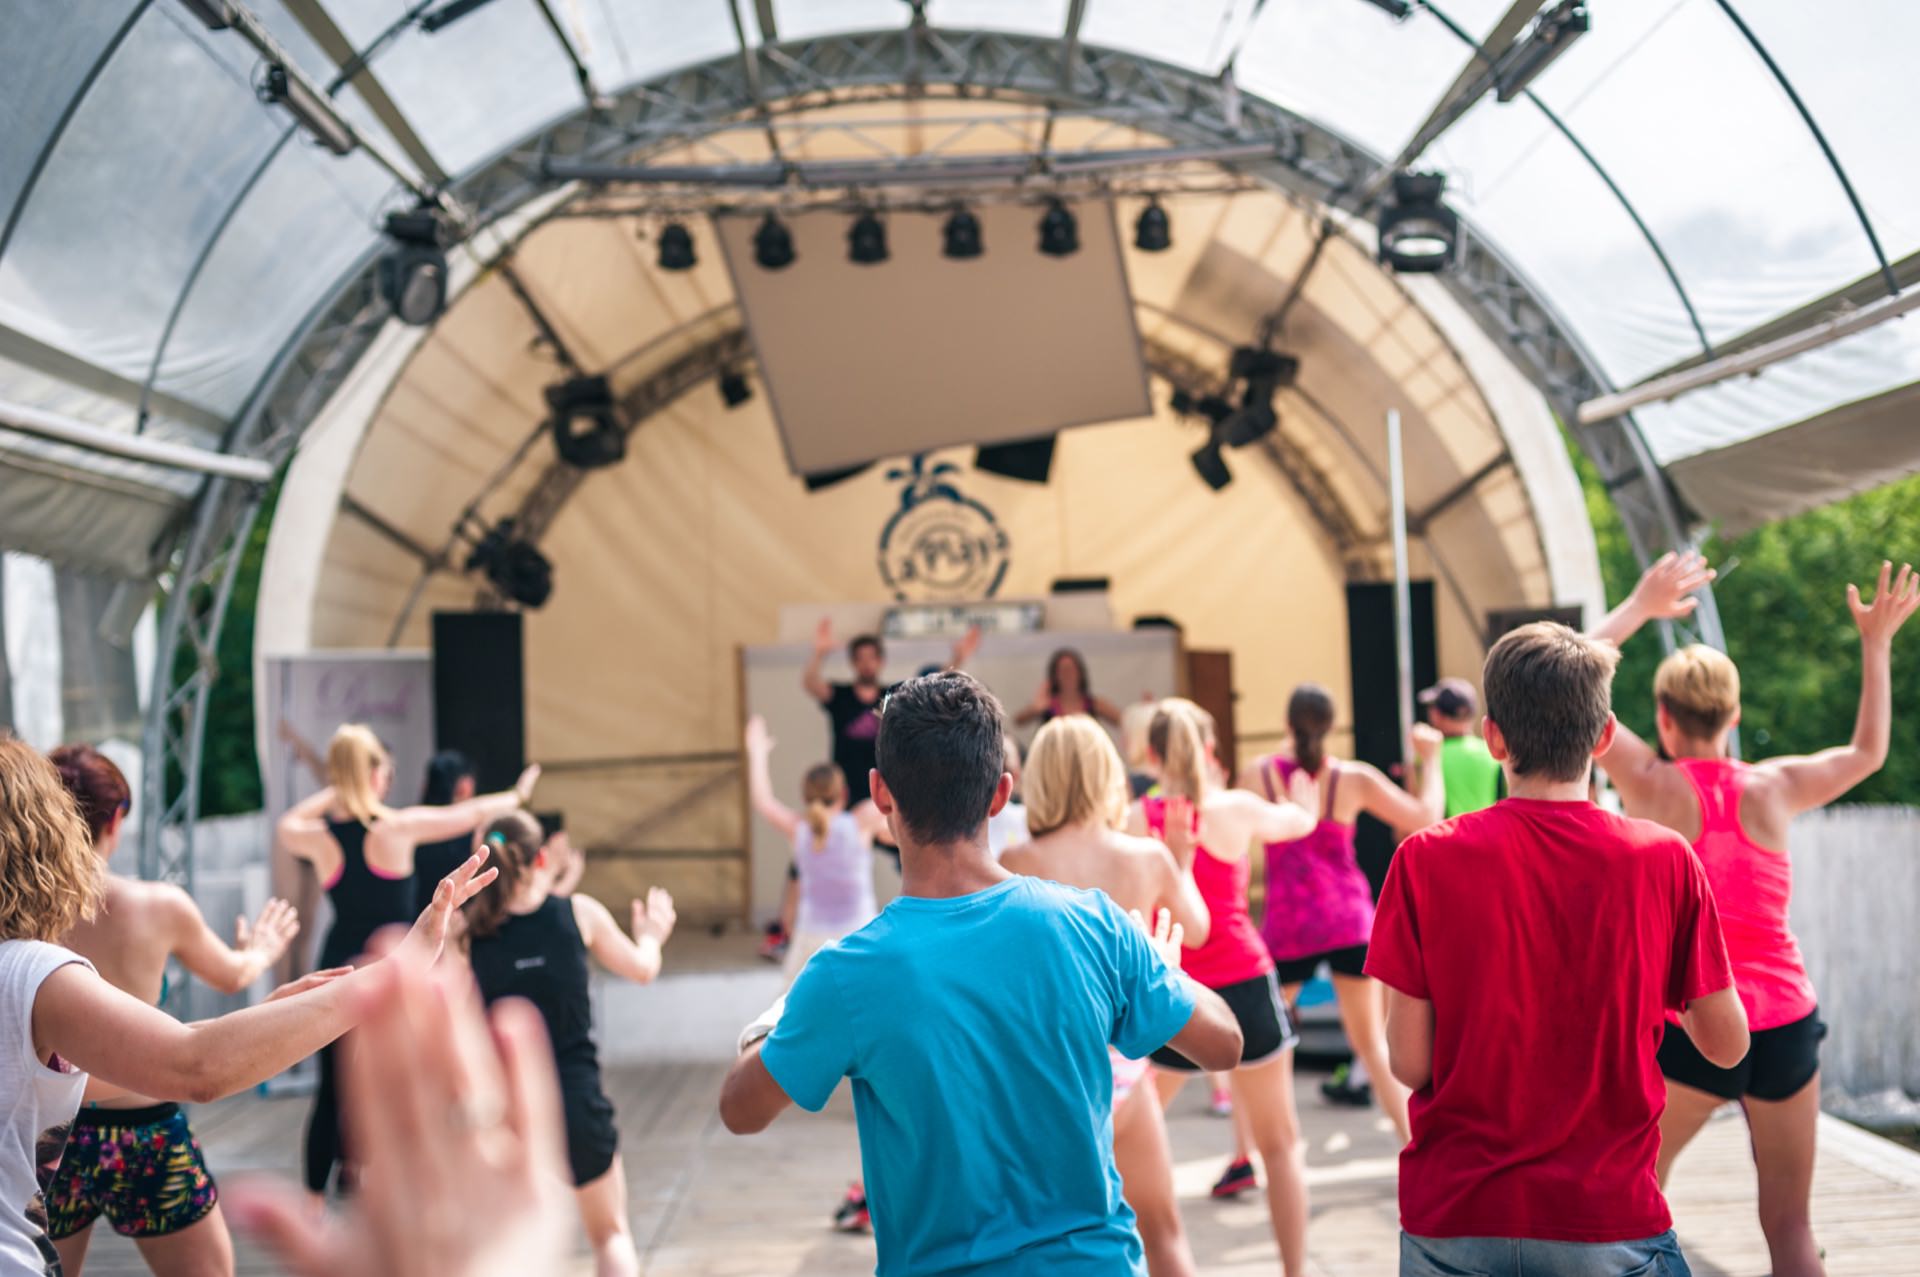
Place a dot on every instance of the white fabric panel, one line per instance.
(623, 41)
(36, 90)
(79, 510)
(1201, 41)
(801, 19)
(1024, 17)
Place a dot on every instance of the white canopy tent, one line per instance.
(180, 264)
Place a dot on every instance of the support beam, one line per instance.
(319, 24)
(428, 560)
(154, 452)
(76, 371)
(1418, 523)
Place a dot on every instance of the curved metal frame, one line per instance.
(1184, 107)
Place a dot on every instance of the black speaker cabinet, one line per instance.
(479, 698)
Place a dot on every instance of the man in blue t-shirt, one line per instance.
(974, 1016)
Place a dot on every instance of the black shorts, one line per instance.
(1264, 1027)
(1779, 1062)
(592, 1138)
(1349, 961)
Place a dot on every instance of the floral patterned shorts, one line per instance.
(141, 1168)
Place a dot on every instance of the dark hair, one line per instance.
(941, 752)
(1550, 691)
(1079, 663)
(512, 842)
(445, 770)
(98, 786)
(1310, 718)
(859, 641)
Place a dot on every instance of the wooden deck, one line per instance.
(707, 1204)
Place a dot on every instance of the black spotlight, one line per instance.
(773, 244)
(514, 567)
(1253, 419)
(962, 236)
(676, 247)
(1211, 466)
(1181, 401)
(1152, 233)
(586, 432)
(735, 389)
(413, 273)
(1418, 233)
(1059, 233)
(867, 239)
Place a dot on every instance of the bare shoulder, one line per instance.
(1135, 847)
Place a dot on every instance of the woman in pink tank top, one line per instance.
(1227, 824)
(1319, 902)
(1736, 815)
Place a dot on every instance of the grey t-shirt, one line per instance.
(38, 1100)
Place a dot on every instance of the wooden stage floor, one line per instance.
(707, 1204)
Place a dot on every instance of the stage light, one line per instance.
(586, 431)
(1418, 234)
(1252, 420)
(213, 14)
(449, 13)
(1152, 233)
(1256, 363)
(1181, 401)
(1211, 466)
(773, 244)
(413, 273)
(313, 115)
(1214, 408)
(735, 389)
(961, 236)
(867, 240)
(676, 248)
(514, 567)
(1552, 34)
(1059, 233)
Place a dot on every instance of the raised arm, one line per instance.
(636, 959)
(1275, 822)
(1664, 593)
(1815, 780)
(1104, 710)
(206, 955)
(810, 677)
(302, 828)
(759, 746)
(303, 752)
(964, 647)
(1636, 769)
(433, 824)
(1036, 709)
(128, 1044)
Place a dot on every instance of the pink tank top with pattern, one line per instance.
(1752, 886)
(1318, 900)
(1233, 951)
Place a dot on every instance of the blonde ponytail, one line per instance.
(353, 755)
(825, 791)
(1181, 737)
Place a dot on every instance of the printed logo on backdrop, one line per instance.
(940, 543)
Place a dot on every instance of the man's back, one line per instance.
(975, 1030)
(1551, 939)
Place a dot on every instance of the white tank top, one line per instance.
(41, 1097)
(836, 879)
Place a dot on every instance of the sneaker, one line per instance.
(852, 1217)
(1340, 1089)
(773, 945)
(1221, 1105)
(1237, 1180)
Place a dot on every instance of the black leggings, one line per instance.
(325, 1147)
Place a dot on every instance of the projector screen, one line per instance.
(917, 352)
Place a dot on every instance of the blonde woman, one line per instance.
(1227, 824)
(1076, 789)
(362, 850)
(62, 1024)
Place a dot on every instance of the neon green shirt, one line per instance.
(1472, 777)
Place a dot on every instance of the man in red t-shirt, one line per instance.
(1531, 952)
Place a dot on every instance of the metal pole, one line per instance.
(1402, 588)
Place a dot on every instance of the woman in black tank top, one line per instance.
(363, 852)
(526, 942)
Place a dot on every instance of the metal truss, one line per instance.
(780, 83)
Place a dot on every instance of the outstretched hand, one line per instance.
(459, 1137)
(1166, 935)
(964, 649)
(307, 983)
(758, 739)
(1892, 604)
(1180, 829)
(823, 637)
(654, 916)
(1427, 741)
(524, 786)
(429, 933)
(1666, 589)
(271, 933)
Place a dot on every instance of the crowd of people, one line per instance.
(1547, 1000)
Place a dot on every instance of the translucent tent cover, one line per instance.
(164, 235)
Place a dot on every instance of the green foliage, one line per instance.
(1783, 604)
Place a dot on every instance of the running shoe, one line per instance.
(1238, 1179)
(1221, 1105)
(1341, 1089)
(773, 945)
(852, 1217)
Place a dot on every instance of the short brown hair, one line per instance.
(1700, 688)
(50, 878)
(1550, 692)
